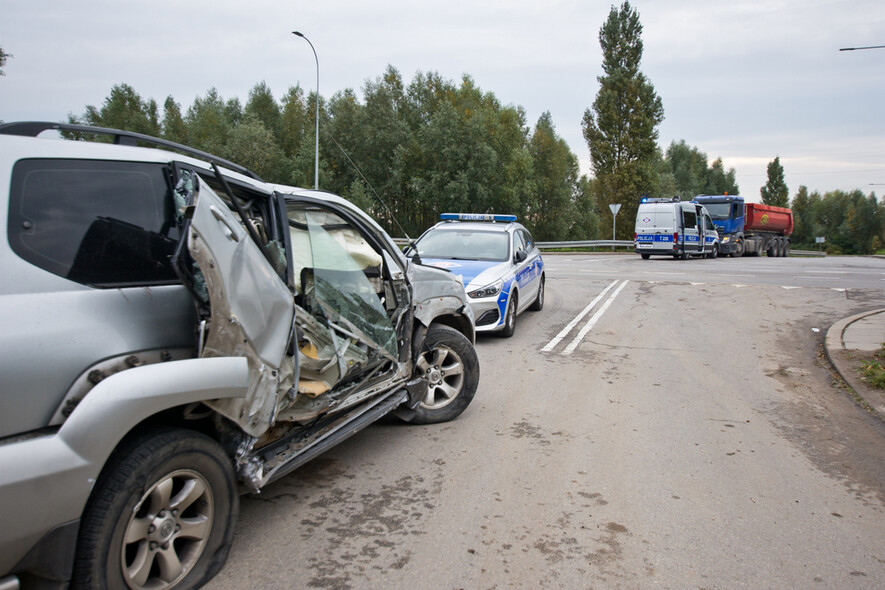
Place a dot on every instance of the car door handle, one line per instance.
(220, 216)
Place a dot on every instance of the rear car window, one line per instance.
(100, 223)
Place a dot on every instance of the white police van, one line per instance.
(674, 228)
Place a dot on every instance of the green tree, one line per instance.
(555, 176)
(263, 107)
(688, 166)
(174, 127)
(294, 121)
(720, 182)
(692, 175)
(621, 127)
(3, 58)
(123, 109)
(586, 224)
(209, 122)
(803, 218)
(254, 146)
(863, 221)
(775, 191)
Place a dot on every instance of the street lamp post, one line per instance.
(316, 158)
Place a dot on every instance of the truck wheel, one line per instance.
(772, 249)
(162, 515)
(449, 365)
(738, 250)
(786, 247)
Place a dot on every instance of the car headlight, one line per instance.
(725, 240)
(487, 291)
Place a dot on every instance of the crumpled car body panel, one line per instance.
(251, 309)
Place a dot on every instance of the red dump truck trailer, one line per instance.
(765, 218)
(749, 228)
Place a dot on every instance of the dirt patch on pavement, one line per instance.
(829, 420)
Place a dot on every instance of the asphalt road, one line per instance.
(682, 431)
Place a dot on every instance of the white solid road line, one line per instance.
(558, 338)
(589, 325)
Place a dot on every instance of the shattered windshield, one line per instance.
(343, 274)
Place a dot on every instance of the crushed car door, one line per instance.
(345, 313)
(251, 306)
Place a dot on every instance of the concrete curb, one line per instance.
(840, 357)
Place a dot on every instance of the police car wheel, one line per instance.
(538, 303)
(450, 367)
(510, 316)
(645, 256)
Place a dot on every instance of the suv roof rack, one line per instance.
(121, 137)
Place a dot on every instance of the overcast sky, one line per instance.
(744, 80)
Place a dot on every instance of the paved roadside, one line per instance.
(848, 343)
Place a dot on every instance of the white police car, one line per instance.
(497, 260)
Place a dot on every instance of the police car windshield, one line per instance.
(464, 245)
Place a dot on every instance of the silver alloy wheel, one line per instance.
(444, 372)
(168, 530)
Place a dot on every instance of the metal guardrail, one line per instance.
(628, 244)
(586, 244)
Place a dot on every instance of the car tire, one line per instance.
(510, 316)
(448, 362)
(645, 256)
(538, 303)
(162, 515)
(714, 252)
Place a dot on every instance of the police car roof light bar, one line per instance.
(659, 200)
(476, 217)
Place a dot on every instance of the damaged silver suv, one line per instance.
(175, 331)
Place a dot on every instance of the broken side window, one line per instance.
(339, 277)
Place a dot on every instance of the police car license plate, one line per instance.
(645, 244)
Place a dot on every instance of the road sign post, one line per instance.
(615, 207)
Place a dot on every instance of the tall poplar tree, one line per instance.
(621, 127)
(775, 191)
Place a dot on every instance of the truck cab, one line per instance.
(727, 213)
(749, 228)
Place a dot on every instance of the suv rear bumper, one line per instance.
(45, 483)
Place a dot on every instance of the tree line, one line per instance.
(423, 147)
(409, 150)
